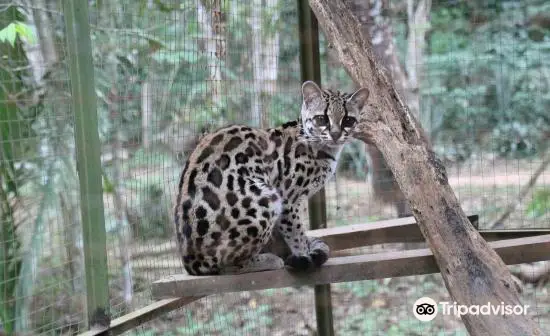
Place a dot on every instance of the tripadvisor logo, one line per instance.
(489, 308)
(425, 309)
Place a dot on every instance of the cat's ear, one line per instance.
(312, 93)
(358, 99)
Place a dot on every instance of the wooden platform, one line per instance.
(534, 245)
(172, 292)
(344, 269)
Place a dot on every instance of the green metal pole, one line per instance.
(311, 70)
(88, 163)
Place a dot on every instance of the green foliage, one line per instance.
(488, 80)
(15, 128)
(540, 203)
(9, 33)
(10, 263)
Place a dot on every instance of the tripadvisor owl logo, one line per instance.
(425, 309)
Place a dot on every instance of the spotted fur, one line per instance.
(241, 183)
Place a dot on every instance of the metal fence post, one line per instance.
(88, 164)
(311, 70)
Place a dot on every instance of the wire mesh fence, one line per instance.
(476, 75)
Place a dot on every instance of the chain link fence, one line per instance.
(476, 74)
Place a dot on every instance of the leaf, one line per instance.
(25, 32)
(540, 203)
(108, 186)
(9, 34)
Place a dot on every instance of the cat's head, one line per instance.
(328, 116)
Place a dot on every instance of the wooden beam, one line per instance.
(493, 235)
(140, 316)
(88, 160)
(343, 269)
(400, 230)
(310, 67)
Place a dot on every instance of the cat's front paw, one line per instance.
(319, 251)
(299, 263)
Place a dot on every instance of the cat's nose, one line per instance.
(335, 135)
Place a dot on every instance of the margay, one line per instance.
(241, 183)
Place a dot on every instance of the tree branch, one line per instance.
(523, 193)
(473, 273)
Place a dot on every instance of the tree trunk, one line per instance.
(122, 226)
(416, 42)
(473, 273)
(375, 22)
(42, 53)
(255, 116)
(212, 23)
(265, 60)
(146, 114)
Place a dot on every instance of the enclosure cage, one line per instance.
(102, 101)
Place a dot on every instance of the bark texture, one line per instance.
(473, 273)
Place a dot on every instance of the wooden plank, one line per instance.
(344, 269)
(142, 315)
(400, 230)
(488, 235)
(493, 235)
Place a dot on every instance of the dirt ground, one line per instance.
(377, 307)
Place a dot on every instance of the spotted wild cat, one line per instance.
(241, 183)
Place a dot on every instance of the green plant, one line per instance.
(487, 80)
(14, 129)
(16, 29)
(540, 203)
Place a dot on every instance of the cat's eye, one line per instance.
(348, 122)
(320, 120)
